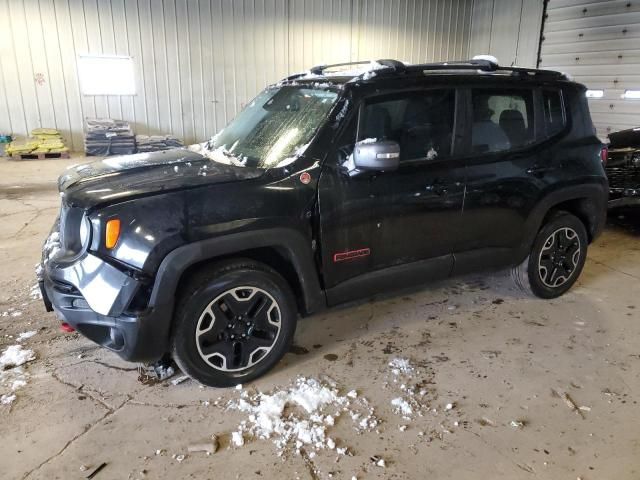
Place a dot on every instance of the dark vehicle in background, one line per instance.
(623, 168)
(329, 187)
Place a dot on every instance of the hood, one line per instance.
(625, 138)
(116, 179)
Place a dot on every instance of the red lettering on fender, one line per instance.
(351, 254)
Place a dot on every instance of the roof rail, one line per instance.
(482, 65)
(395, 66)
(318, 69)
(389, 63)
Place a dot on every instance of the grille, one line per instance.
(623, 173)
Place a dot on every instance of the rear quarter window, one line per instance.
(554, 113)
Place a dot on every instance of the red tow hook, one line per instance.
(65, 327)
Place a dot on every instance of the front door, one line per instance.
(373, 221)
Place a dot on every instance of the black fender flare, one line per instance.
(596, 194)
(294, 243)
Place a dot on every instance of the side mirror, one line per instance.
(379, 156)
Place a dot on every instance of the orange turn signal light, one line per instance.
(112, 233)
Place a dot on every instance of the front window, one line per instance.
(421, 122)
(274, 129)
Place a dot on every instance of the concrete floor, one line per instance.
(495, 355)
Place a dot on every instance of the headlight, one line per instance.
(85, 232)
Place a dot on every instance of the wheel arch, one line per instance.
(587, 202)
(285, 250)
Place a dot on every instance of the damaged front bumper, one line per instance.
(626, 197)
(95, 297)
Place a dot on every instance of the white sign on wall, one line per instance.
(106, 75)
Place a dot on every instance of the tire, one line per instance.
(554, 264)
(259, 320)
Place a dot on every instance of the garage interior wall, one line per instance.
(197, 62)
(598, 43)
(507, 29)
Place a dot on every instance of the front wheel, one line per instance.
(233, 323)
(556, 259)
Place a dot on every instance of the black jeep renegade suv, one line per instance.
(330, 186)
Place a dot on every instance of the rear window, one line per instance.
(554, 118)
(502, 120)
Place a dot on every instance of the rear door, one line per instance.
(505, 174)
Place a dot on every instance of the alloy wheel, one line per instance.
(238, 328)
(559, 257)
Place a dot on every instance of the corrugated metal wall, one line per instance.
(198, 62)
(507, 29)
(598, 43)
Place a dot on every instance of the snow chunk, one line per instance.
(401, 366)
(299, 151)
(14, 356)
(237, 439)
(12, 376)
(489, 58)
(224, 155)
(24, 335)
(34, 291)
(52, 246)
(402, 406)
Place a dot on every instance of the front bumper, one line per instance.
(626, 198)
(94, 297)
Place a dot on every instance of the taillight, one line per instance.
(604, 154)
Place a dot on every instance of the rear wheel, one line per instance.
(556, 259)
(233, 323)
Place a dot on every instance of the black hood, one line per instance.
(118, 178)
(625, 138)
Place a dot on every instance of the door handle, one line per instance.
(539, 170)
(437, 188)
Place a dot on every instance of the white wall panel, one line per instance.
(507, 29)
(197, 62)
(598, 43)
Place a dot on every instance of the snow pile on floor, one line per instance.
(414, 398)
(401, 366)
(400, 405)
(14, 356)
(35, 293)
(299, 416)
(25, 335)
(12, 312)
(12, 376)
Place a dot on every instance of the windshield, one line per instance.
(274, 129)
